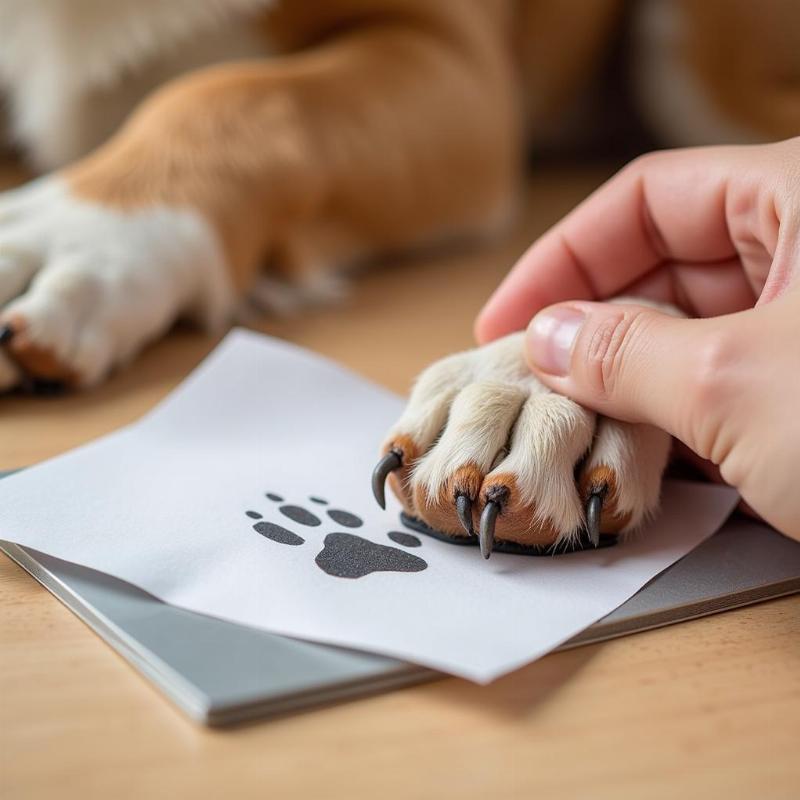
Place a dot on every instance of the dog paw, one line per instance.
(84, 287)
(484, 449)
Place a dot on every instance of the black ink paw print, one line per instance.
(344, 555)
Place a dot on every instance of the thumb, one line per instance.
(627, 361)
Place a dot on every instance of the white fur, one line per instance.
(500, 362)
(504, 360)
(74, 69)
(102, 282)
(429, 404)
(550, 436)
(477, 430)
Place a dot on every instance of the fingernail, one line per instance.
(551, 334)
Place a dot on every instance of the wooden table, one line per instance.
(709, 708)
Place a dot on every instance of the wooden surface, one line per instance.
(709, 708)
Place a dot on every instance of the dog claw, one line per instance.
(486, 531)
(594, 507)
(6, 334)
(389, 463)
(47, 388)
(464, 511)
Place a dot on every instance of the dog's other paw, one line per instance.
(484, 447)
(84, 287)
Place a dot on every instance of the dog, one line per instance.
(188, 147)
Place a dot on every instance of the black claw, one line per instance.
(486, 532)
(389, 463)
(464, 511)
(6, 334)
(594, 507)
(44, 387)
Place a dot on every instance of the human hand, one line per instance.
(715, 231)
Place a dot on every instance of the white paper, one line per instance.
(162, 505)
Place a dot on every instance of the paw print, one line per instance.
(343, 555)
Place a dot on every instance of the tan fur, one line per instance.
(611, 521)
(400, 479)
(466, 480)
(745, 55)
(439, 512)
(267, 153)
(37, 360)
(518, 521)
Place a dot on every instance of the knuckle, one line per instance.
(713, 372)
(608, 350)
(643, 163)
(640, 163)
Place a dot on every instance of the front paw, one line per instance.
(484, 449)
(83, 287)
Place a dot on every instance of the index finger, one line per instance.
(666, 206)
